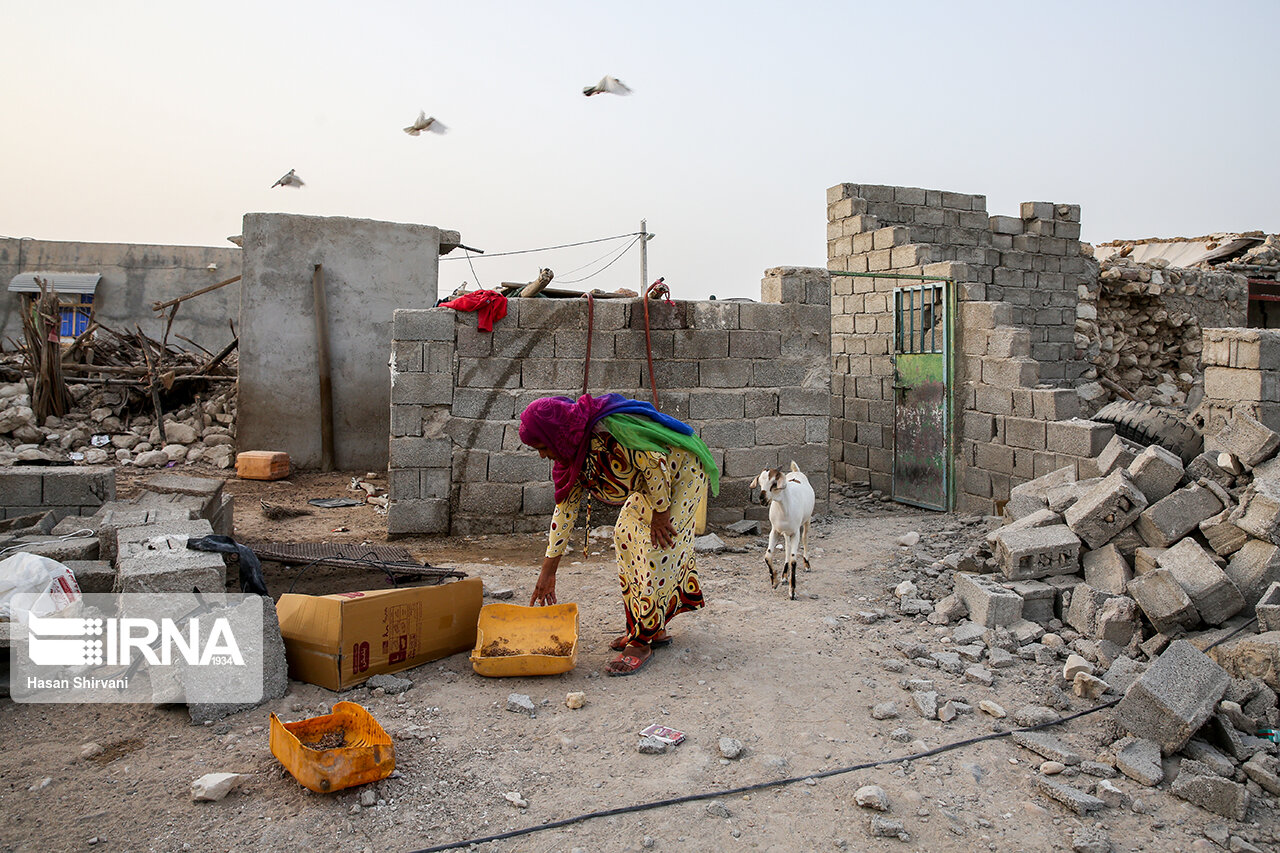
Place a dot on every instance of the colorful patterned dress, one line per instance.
(657, 583)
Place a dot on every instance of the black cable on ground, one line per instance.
(709, 795)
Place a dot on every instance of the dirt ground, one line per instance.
(793, 681)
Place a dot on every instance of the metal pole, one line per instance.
(644, 257)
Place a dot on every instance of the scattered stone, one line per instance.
(906, 589)
(520, 703)
(1076, 800)
(1088, 686)
(987, 706)
(1052, 768)
(872, 797)
(746, 527)
(368, 798)
(1139, 759)
(212, 787)
(512, 797)
(1088, 839)
(649, 745)
(901, 735)
(883, 827)
(908, 540)
(575, 699)
(91, 750)
(1076, 664)
(1098, 769)
(980, 675)
(502, 594)
(1213, 793)
(885, 711)
(947, 712)
(709, 544)
(730, 748)
(1034, 715)
(926, 702)
(1047, 746)
(715, 808)
(1115, 798)
(390, 683)
(1265, 771)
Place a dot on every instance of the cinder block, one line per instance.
(517, 468)
(1268, 609)
(1176, 515)
(89, 485)
(1254, 568)
(433, 324)
(1174, 697)
(1037, 552)
(1024, 432)
(1037, 210)
(21, 487)
(1259, 511)
(1118, 453)
(1205, 466)
(1224, 537)
(1086, 607)
(1055, 404)
(417, 516)
(1117, 621)
(1213, 793)
(1156, 472)
(989, 604)
(1037, 600)
(1106, 569)
(421, 452)
(1079, 437)
(1147, 559)
(1242, 385)
(93, 575)
(1250, 441)
(164, 565)
(1105, 509)
(1010, 372)
(1212, 592)
(1164, 602)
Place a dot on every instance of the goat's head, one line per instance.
(767, 485)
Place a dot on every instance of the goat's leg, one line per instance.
(793, 545)
(768, 558)
(804, 541)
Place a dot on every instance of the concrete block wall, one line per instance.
(1022, 272)
(751, 377)
(1241, 374)
(68, 490)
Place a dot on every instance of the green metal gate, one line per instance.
(923, 469)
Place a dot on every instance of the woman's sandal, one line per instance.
(619, 644)
(631, 663)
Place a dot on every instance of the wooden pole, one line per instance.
(160, 306)
(326, 382)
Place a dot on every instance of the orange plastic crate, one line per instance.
(262, 465)
(367, 753)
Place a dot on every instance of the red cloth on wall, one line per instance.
(491, 305)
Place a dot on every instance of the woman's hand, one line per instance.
(544, 591)
(662, 533)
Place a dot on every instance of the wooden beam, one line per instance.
(160, 306)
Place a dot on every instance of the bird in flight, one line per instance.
(289, 180)
(609, 84)
(425, 122)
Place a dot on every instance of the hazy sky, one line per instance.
(166, 122)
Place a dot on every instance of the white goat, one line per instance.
(790, 500)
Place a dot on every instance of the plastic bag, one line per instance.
(53, 583)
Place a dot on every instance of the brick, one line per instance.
(1173, 517)
(1259, 511)
(989, 604)
(1237, 384)
(1174, 697)
(1246, 437)
(712, 405)
(491, 498)
(79, 486)
(1024, 432)
(1105, 509)
(1212, 592)
(1164, 602)
(1107, 569)
(435, 324)
(1156, 472)
(417, 516)
(1118, 453)
(1224, 537)
(1055, 404)
(1253, 568)
(1037, 552)
(1086, 607)
(1078, 437)
(1213, 793)
(420, 452)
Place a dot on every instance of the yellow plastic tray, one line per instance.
(525, 630)
(367, 756)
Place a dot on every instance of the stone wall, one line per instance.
(1031, 264)
(133, 277)
(370, 270)
(752, 379)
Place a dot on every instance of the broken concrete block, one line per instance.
(1123, 672)
(169, 566)
(1037, 600)
(1175, 516)
(1213, 593)
(1253, 568)
(1037, 553)
(1156, 472)
(1106, 569)
(1024, 631)
(1207, 755)
(62, 550)
(1088, 686)
(208, 488)
(1246, 438)
(1128, 541)
(1062, 586)
(1268, 609)
(93, 575)
(134, 539)
(1063, 497)
(1040, 486)
(1224, 537)
(1251, 656)
(1265, 770)
(1214, 794)
(275, 667)
(114, 516)
(1047, 746)
(1086, 606)
(1174, 697)
(1106, 509)
(212, 787)
(1076, 800)
(1139, 759)
(1163, 601)
(1117, 621)
(1205, 466)
(1118, 453)
(989, 603)
(1043, 517)
(1259, 511)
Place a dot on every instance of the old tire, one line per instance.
(1146, 424)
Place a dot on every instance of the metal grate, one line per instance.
(393, 560)
(919, 319)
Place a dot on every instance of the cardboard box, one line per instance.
(337, 641)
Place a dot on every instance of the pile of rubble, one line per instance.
(1265, 254)
(1141, 583)
(100, 428)
(1140, 325)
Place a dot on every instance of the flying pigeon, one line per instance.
(609, 84)
(425, 122)
(289, 180)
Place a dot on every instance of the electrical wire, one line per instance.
(84, 531)
(549, 248)
(708, 795)
(597, 260)
(616, 258)
(473, 270)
